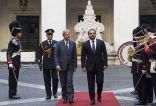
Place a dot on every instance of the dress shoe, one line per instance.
(92, 102)
(64, 101)
(149, 101)
(137, 97)
(99, 99)
(134, 92)
(71, 101)
(48, 97)
(140, 103)
(14, 97)
(55, 96)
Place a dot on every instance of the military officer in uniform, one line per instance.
(13, 58)
(46, 50)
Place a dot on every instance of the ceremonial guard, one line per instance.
(135, 67)
(46, 50)
(150, 50)
(13, 58)
(143, 84)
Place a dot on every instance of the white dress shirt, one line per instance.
(92, 42)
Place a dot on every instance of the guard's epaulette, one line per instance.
(14, 41)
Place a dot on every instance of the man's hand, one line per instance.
(58, 68)
(40, 65)
(104, 67)
(84, 69)
(74, 69)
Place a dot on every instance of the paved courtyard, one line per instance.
(118, 80)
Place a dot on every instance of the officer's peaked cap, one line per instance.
(49, 31)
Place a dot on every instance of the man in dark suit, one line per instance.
(66, 64)
(46, 50)
(14, 57)
(94, 61)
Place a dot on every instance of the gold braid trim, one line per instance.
(48, 51)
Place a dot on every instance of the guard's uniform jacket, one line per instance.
(14, 56)
(14, 52)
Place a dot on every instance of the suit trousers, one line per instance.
(66, 79)
(91, 76)
(12, 81)
(49, 74)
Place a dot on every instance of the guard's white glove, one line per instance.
(11, 66)
(58, 68)
(104, 67)
(10, 63)
(144, 71)
(84, 69)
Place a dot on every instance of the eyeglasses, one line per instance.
(49, 34)
(92, 33)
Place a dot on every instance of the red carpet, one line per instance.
(82, 99)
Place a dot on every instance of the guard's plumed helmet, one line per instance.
(139, 31)
(15, 28)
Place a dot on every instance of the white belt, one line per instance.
(152, 66)
(136, 60)
(15, 54)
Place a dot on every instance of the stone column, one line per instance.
(53, 15)
(126, 18)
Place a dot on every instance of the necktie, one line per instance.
(50, 42)
(93, 46)
(67, 45)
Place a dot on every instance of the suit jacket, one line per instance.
(61, 56)
(48, 61)
(89, 59)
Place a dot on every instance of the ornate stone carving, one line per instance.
(89, 22)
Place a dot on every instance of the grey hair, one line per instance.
(65, 31)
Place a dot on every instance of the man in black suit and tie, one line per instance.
(46, 50)
(66, 64)
(94, 61)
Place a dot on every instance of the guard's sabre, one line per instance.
(138, 81)
(13, 70)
